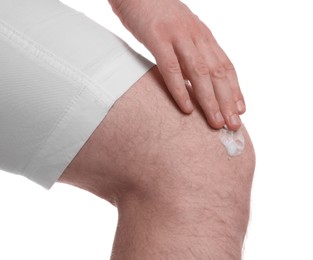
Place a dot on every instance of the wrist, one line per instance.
(120, 6)
(128, 12)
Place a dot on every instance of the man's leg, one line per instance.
(179, 195)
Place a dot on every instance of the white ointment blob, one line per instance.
(234, 142)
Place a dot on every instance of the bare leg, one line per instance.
(178, 194)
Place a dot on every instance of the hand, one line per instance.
(184, 48)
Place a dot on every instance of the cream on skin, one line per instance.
(233, 141)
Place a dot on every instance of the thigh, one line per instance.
(60, 74)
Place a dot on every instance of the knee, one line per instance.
(168, 156)
(155, 163)
(147, 149)
(174, 169)
(190, 165)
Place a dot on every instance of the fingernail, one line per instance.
(218, 117)
(189, 105)
(235, 120)
(241, 106)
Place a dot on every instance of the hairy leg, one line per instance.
(178, 194)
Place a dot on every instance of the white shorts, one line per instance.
(60, 73)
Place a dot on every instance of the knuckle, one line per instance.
(218, 72)
(228, 65)
(227, 106)
(200, 68)
(172, 67)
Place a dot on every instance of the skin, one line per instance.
(178, 194)
(184, 48)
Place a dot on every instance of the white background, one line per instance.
(270, 43)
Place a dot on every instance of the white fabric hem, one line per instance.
(86, 110)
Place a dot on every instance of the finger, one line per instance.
(230, 71)
(171, 72)
(232, 77)
(197, 71)
(223, 91)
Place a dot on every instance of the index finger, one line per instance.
(171, 72)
